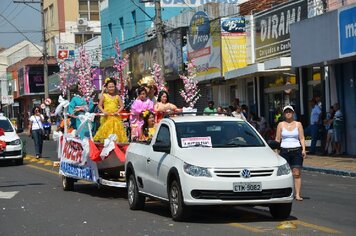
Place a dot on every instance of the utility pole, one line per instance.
(45, 58)
(44, 50)
(159, 33)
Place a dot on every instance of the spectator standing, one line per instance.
(291, 136)
(328, 124)
(338, 123)
(210, 108)
(313, 128)
(36, 129)
(238, 113)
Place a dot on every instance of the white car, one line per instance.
(14, 144)
(208, 160)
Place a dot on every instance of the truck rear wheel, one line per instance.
(136, 200)
(67, 183)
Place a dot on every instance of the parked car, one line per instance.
(208, 160)
(14, 146)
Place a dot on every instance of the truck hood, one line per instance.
(230, 157)
(9, 136)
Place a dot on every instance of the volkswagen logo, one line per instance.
(245, 173)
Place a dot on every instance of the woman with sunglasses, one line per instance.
(290, 134)
(36, 130)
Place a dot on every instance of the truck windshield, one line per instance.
(6, 126)
(217, 134)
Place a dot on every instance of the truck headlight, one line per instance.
(15, 142)
(283, 170)
(196, 171)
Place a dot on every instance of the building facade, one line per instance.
(333, 49)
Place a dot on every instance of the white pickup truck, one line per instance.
(208, 160)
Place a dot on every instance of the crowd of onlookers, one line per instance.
(324, 130)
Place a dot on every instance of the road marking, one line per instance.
(44, 169)
(7, 195)
(317, 227)
(246, 227)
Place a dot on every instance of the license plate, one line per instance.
(247, 187)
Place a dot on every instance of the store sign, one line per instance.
(273, 29)
(233, 43)
(143, 56)
(189, 3)
(347, 32)
(65, 51)
(7, 99)
(199, 31)
(204, 43)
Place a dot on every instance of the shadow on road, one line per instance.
(102, 192)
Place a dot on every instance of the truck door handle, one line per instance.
(148, 160)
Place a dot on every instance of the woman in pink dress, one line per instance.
(141, 104)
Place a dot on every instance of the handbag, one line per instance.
(41, 128)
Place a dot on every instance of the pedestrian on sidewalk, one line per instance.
(315, 122)
(290, 134)
(328, 124)
(338, 124)
(36, 129)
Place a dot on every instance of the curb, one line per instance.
(330, 171)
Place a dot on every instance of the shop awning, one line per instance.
(259, 69)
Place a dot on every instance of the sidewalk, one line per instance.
(342, 165)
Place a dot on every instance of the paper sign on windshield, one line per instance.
(196, 141)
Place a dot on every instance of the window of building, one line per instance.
(89, 9)
(51, 14)
(122, 28)
(133, 14)
(81, 38)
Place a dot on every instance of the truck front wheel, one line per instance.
(179, 210)
(136, 200)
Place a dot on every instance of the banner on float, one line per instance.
(74, 161)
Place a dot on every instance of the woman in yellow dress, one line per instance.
(111, 105)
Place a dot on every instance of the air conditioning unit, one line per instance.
(82, 22)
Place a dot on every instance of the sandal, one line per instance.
(299, 198)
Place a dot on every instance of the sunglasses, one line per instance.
(37, 110)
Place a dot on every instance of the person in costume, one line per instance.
(148, 82)
(79, 106)
(111, 105)
(163, 106)
(141, 104)
(148, 127)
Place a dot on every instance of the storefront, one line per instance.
(328, 59)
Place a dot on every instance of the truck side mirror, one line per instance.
(273, 144)
(161, 147)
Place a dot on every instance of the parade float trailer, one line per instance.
(84, 159)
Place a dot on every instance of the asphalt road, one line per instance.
(32, 202)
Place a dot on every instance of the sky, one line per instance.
(25, 18)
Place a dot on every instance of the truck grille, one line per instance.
(230, 195)
(237, 173)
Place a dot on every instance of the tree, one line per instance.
(190, 91)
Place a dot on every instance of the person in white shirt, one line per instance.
(315, 123)
(290, 134)
(36, 129)
(238, 113)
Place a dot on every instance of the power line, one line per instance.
(21, 32)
